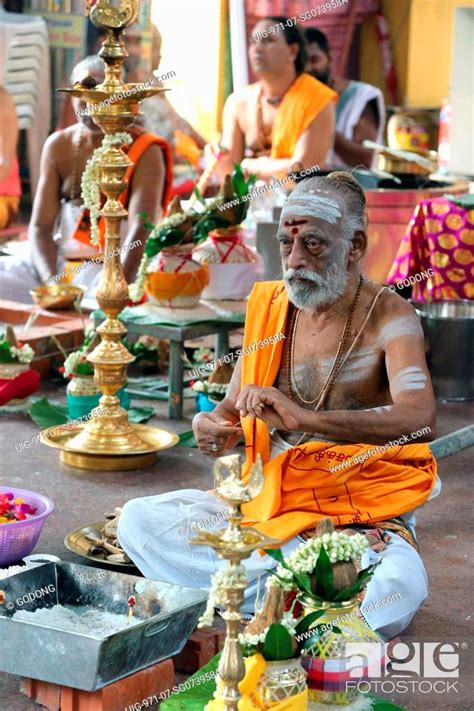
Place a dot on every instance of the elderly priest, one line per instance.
(340, 409)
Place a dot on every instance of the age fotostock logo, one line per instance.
(422, 666)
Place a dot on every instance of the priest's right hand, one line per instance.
(214, 434)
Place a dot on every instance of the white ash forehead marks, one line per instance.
(397, 327)
(311, 205)
(409, 378)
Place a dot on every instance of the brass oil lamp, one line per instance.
(108, 441)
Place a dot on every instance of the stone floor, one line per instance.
(444, 532)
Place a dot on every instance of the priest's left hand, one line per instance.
(269, 405)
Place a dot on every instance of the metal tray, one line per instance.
(76, 542)
(169, 613)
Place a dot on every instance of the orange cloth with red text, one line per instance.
(299, 488)
(303, 101)
(141, 142)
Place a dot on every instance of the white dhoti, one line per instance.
(155, 532)
(18, 275)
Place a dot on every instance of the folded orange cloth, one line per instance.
(299, 487)
(251, 701)
(169, 285)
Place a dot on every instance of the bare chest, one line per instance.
(256, 123)
(308, 365)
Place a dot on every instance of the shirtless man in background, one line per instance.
(57, 204)
(251, 133)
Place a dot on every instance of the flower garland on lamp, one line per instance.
(90, 180)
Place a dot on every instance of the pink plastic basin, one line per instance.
(19, 538)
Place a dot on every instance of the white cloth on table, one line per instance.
(155, 531)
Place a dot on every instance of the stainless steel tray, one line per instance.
(169, 614)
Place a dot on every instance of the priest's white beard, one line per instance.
(317, 290)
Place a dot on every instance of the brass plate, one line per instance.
(155, 439)
(57, 296)
(76, 542)
(108, 464)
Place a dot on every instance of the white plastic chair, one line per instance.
(25, 74)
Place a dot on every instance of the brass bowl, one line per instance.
(77, 542)
(57, 296)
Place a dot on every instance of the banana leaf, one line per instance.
(187, 439)
(45, 414)
(307, 621)
(278, 644)
(324, 576)
(195, 698)
(199, 195)
(5, 355)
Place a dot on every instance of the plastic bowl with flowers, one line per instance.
(22, 516)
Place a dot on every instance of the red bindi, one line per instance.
(294, 230)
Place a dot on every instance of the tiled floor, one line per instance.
(445, 531)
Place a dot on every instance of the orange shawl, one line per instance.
(299, 488)
(141, 142)
(303, 101)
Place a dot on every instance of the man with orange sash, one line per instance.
(285, 120)
(340, 409)
(59, 247)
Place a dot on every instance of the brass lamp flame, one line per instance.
(234, 544)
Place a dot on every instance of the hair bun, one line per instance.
(342, 177)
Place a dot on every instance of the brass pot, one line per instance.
(280, 681)
(342, 626)
(82, 385)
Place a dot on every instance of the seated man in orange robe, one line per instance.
(350, 370)
(285, 120)
(59, 229)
